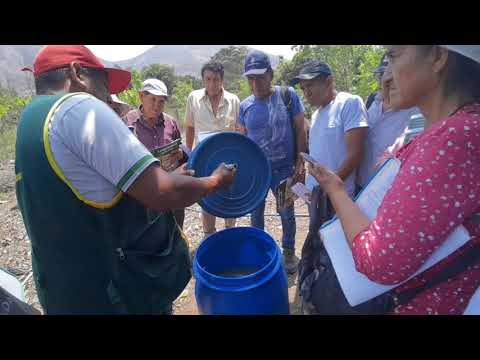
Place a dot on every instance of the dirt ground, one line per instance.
(15, 251)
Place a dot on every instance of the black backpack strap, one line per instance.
(370, 100)
(288, 102)
(286, 98)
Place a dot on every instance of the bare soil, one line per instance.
(15, 250)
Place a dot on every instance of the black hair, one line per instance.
(52, 80)
(214, 67)
(463, 73)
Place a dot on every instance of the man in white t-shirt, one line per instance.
(339, 125)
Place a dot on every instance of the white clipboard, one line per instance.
(11, 284)
(473, 307)
(356, 287)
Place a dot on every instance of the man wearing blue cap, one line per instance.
(277, 126)
(339, 125)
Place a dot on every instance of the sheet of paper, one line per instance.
(301, 191)
(356, 286)
(473, 307)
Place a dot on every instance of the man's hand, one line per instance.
(182, 170)
(223, 176)
(299, 174)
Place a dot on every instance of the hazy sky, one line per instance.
(124, 52)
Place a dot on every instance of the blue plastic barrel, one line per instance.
(239, 271)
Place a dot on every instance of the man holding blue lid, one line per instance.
(95, 202)
(273, 117)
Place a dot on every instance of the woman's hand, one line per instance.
(327, 179)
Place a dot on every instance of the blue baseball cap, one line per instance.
(256, 63)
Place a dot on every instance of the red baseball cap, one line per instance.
(57, 56)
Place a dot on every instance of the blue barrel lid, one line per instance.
(252, 180)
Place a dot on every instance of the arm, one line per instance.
(190, 136)
(240, 122)
(189, 124)
(355, 139)
(159, 190)
(108, 147)
(301, 141)
(298, 115)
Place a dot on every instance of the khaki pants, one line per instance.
(209, 223)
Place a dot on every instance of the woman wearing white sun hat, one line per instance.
(436, 190)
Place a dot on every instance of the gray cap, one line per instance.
(382, 66)
(154, 87)
(115, 99)
(470, 51)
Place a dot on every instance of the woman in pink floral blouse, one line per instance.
(437, 188)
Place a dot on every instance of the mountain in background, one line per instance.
(12, 59)
(186, 59)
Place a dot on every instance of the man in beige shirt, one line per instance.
(210, 110)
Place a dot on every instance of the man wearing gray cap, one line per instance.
(339, 125)
(155, 128)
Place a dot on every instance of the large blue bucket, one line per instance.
(239, 271)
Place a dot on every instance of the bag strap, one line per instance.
(455, 268)
(288, 102)
(286, 98)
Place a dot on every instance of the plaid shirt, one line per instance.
(164, 132)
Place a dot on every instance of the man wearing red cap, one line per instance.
(85, 185)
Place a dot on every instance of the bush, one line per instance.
(11, 106)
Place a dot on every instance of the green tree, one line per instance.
(161, 72)
(232, 58)
(130, 96)
(243, 89)
(178, 101)
(195, 82)
(366, 82)
(351, 65)
(11, 106)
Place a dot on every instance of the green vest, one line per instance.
(87, 257)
